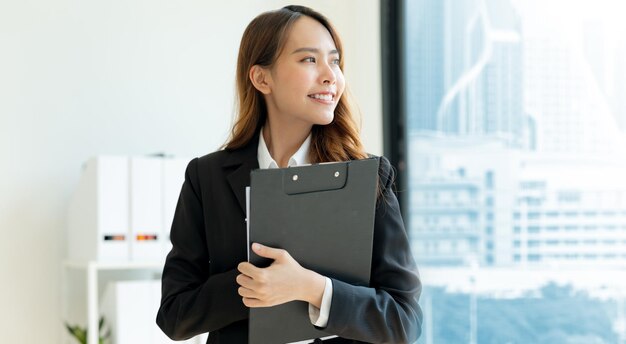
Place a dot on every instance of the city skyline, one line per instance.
(516, 141)
(515, 97)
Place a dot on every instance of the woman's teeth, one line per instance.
(322, 96)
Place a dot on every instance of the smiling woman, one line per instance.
(284, 41)
(293, 110)
(305, 83)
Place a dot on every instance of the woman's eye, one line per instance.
(309, 59)
(336, 61)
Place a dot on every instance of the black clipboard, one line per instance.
(323, 215)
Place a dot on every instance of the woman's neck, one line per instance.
(283, 141)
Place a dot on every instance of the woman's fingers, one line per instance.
(252, 302)
(248, 269)
(245, 281)
(245, 292)
(270, 252)
(273, 285)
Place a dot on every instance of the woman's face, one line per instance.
(305, 83)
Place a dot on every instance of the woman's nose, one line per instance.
(328, 74)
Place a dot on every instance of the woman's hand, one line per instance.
(283, 281)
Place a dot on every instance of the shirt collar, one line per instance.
(301, 157)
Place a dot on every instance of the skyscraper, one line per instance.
(567, 93)
(424, 63)
(464, 69)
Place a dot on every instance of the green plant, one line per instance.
(80, 333)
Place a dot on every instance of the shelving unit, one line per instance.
(93, 269)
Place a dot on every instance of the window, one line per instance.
(525, 102)
(489, 201)
(552, 214)
(569, 196)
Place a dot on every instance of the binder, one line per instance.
(146, 219)
(123, 207)
(323, 215)
(98, 224)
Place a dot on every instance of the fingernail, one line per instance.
(256, 246)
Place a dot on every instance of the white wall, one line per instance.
(80, 78)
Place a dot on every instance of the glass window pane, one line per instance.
(516, 122)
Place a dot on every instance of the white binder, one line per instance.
(146, 219)
(98, 225)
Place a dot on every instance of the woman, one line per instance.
(292, 111)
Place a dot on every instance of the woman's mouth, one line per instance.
(324, 98)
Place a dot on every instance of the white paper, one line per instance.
(248, 220)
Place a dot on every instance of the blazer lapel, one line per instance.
(243, 160)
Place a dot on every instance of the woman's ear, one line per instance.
(260, 77)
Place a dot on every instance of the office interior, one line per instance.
(82, 80)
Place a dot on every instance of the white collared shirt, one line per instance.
(318, 316)
(300, 157)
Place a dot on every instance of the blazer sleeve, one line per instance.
(192, 300)
(387, 311)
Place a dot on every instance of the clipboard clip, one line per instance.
(315, 178)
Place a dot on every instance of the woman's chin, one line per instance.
(326, 120)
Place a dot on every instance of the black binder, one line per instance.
(323, 215)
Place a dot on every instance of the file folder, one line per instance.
(323, 215)
(146, 221)
(98, 226)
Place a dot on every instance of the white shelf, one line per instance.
(93, 268)
(114, 266)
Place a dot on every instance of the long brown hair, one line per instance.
(261, 44)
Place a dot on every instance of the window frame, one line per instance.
(393, 93)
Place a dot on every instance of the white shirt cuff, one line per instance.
(319, 316)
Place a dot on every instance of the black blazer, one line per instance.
(199, 291)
